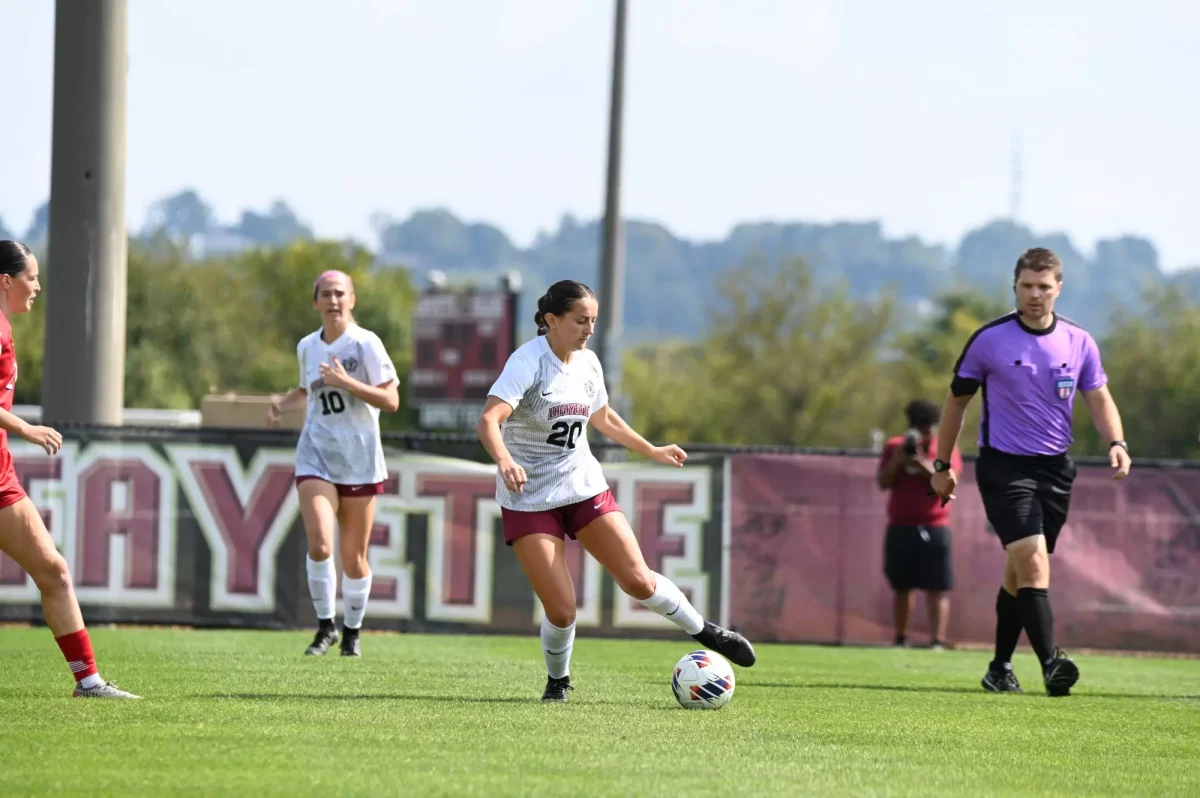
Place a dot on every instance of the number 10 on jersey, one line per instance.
(331, 402)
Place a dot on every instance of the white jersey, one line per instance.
(547, 431)
(340, 441)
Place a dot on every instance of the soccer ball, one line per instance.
(702, 680)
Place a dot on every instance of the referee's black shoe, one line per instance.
(1001, 680)
(1061, 674)
(730, 645)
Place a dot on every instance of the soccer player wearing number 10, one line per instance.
(550, 486)
(347, 377)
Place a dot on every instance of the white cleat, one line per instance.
(102, 690)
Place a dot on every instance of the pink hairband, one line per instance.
(333, 273)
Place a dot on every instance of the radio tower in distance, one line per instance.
(1015, 176)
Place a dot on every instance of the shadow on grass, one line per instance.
(448, 699)
(954, 689)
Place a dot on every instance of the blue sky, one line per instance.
(761, 109)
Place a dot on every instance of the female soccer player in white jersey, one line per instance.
(347, 377)
(550, 486)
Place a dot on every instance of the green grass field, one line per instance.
(244, 713)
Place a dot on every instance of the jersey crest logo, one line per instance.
(351, 363)
(590, 387)
(1065, 387)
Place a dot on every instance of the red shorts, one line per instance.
(561, 522)
(11, 491)
(370, 489)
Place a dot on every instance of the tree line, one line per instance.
(785, 358)
(786, 361)
(1115, 275)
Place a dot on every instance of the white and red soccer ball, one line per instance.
(702, 680)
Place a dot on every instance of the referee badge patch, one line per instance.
(1065, 387)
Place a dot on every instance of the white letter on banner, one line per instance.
(244, 514)
(676, 519)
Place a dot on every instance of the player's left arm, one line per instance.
(385, 396)
(607, 421)
(1093, 384)
(382, 389)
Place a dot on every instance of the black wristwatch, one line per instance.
(940, 466)
(1122, 444)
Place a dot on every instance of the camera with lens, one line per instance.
(912, 439)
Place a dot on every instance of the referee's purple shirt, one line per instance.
(1029, 379)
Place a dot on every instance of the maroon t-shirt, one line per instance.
(910, 503)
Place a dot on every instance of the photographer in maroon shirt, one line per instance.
(917, 546)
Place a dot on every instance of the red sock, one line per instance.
(77, 648)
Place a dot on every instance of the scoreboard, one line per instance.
(462, 339)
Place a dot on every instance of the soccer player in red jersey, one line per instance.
(23, 536)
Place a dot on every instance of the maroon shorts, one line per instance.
(370, 489)
(561, 522)
(11, 491)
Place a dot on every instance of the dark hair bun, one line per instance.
(557, 300)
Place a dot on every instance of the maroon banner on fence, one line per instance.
(806, 559)
(202, 527)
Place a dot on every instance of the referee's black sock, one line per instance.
(1008, 628)
(1038, 620)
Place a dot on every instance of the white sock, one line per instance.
(556, 645)
(356, 592)
(669, 602)
(322, 586)
(88, 682)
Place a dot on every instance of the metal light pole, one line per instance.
(612, 255)
(84, 379)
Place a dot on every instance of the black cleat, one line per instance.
(1061, 674)
(1001, 680)
(730, 645)
(326, 636)
(556, 689)
(350, 643)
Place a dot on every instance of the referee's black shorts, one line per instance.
(1025, 495)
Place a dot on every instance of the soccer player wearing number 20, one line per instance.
(550, 486)
(346, 378)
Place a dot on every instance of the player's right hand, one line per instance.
(944, 483)
(513, 476)
(274, 415)
(49, 439)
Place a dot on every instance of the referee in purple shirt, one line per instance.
(1028, 365)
